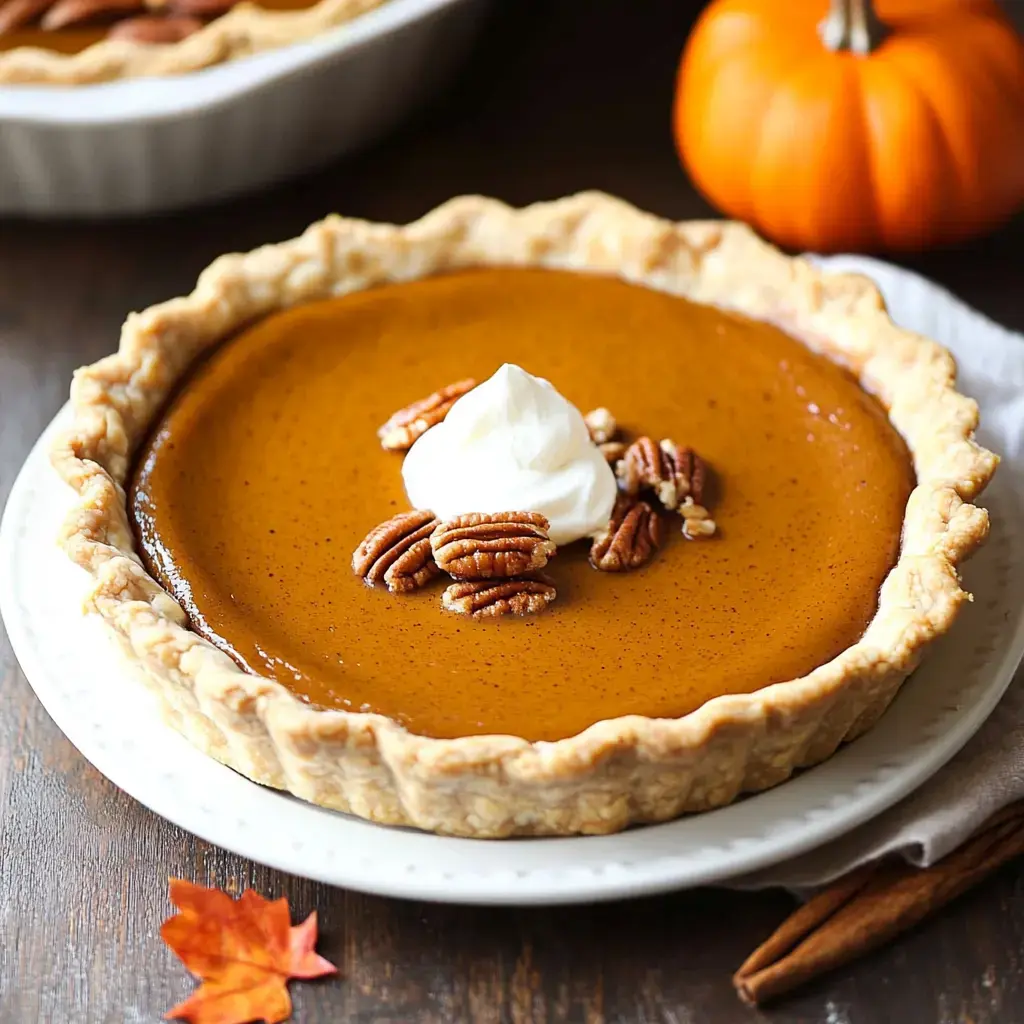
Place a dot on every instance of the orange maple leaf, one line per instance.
(244, 950)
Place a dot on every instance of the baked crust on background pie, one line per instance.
(619, 771)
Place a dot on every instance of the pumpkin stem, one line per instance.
(852, 25)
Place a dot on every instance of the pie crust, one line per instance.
(618, 771)
(245, 29)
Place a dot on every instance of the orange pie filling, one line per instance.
(264, 473)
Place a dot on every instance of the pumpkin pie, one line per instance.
(228, 461)
(76, 42)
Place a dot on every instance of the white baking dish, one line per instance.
(144, 145)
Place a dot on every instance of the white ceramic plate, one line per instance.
(113, 720)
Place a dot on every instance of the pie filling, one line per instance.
(264, 473)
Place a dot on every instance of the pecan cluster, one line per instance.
(672, 472)
(676, 477)
(494, 559)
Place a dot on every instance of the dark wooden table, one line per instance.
(561, 96)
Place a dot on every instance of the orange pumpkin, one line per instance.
(828, 129)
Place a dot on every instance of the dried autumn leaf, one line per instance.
(244, 950)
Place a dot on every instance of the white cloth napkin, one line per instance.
(988, 773)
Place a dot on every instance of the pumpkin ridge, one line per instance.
(875, 228)
(960, 181)
(832, 77)
(742, 29)
(760, 146)
(986, 68)
(995, 87)
(995, 79)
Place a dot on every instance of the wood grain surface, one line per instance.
(560, 96)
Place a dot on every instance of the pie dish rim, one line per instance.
(618, 771)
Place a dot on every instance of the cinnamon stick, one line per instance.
(871, 905)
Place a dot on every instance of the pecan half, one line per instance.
(483, 599)
(479, 546)
(398, 552)
(613, 451)
(601, 424)
(155, 28)
(697, 521)
(15, 13)
(201, 8)
(630, 539)
(408, 424)
(640, 467)
(688, 470)
(673, 472)
(73, 12)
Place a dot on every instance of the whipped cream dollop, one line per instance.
(513, 444)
